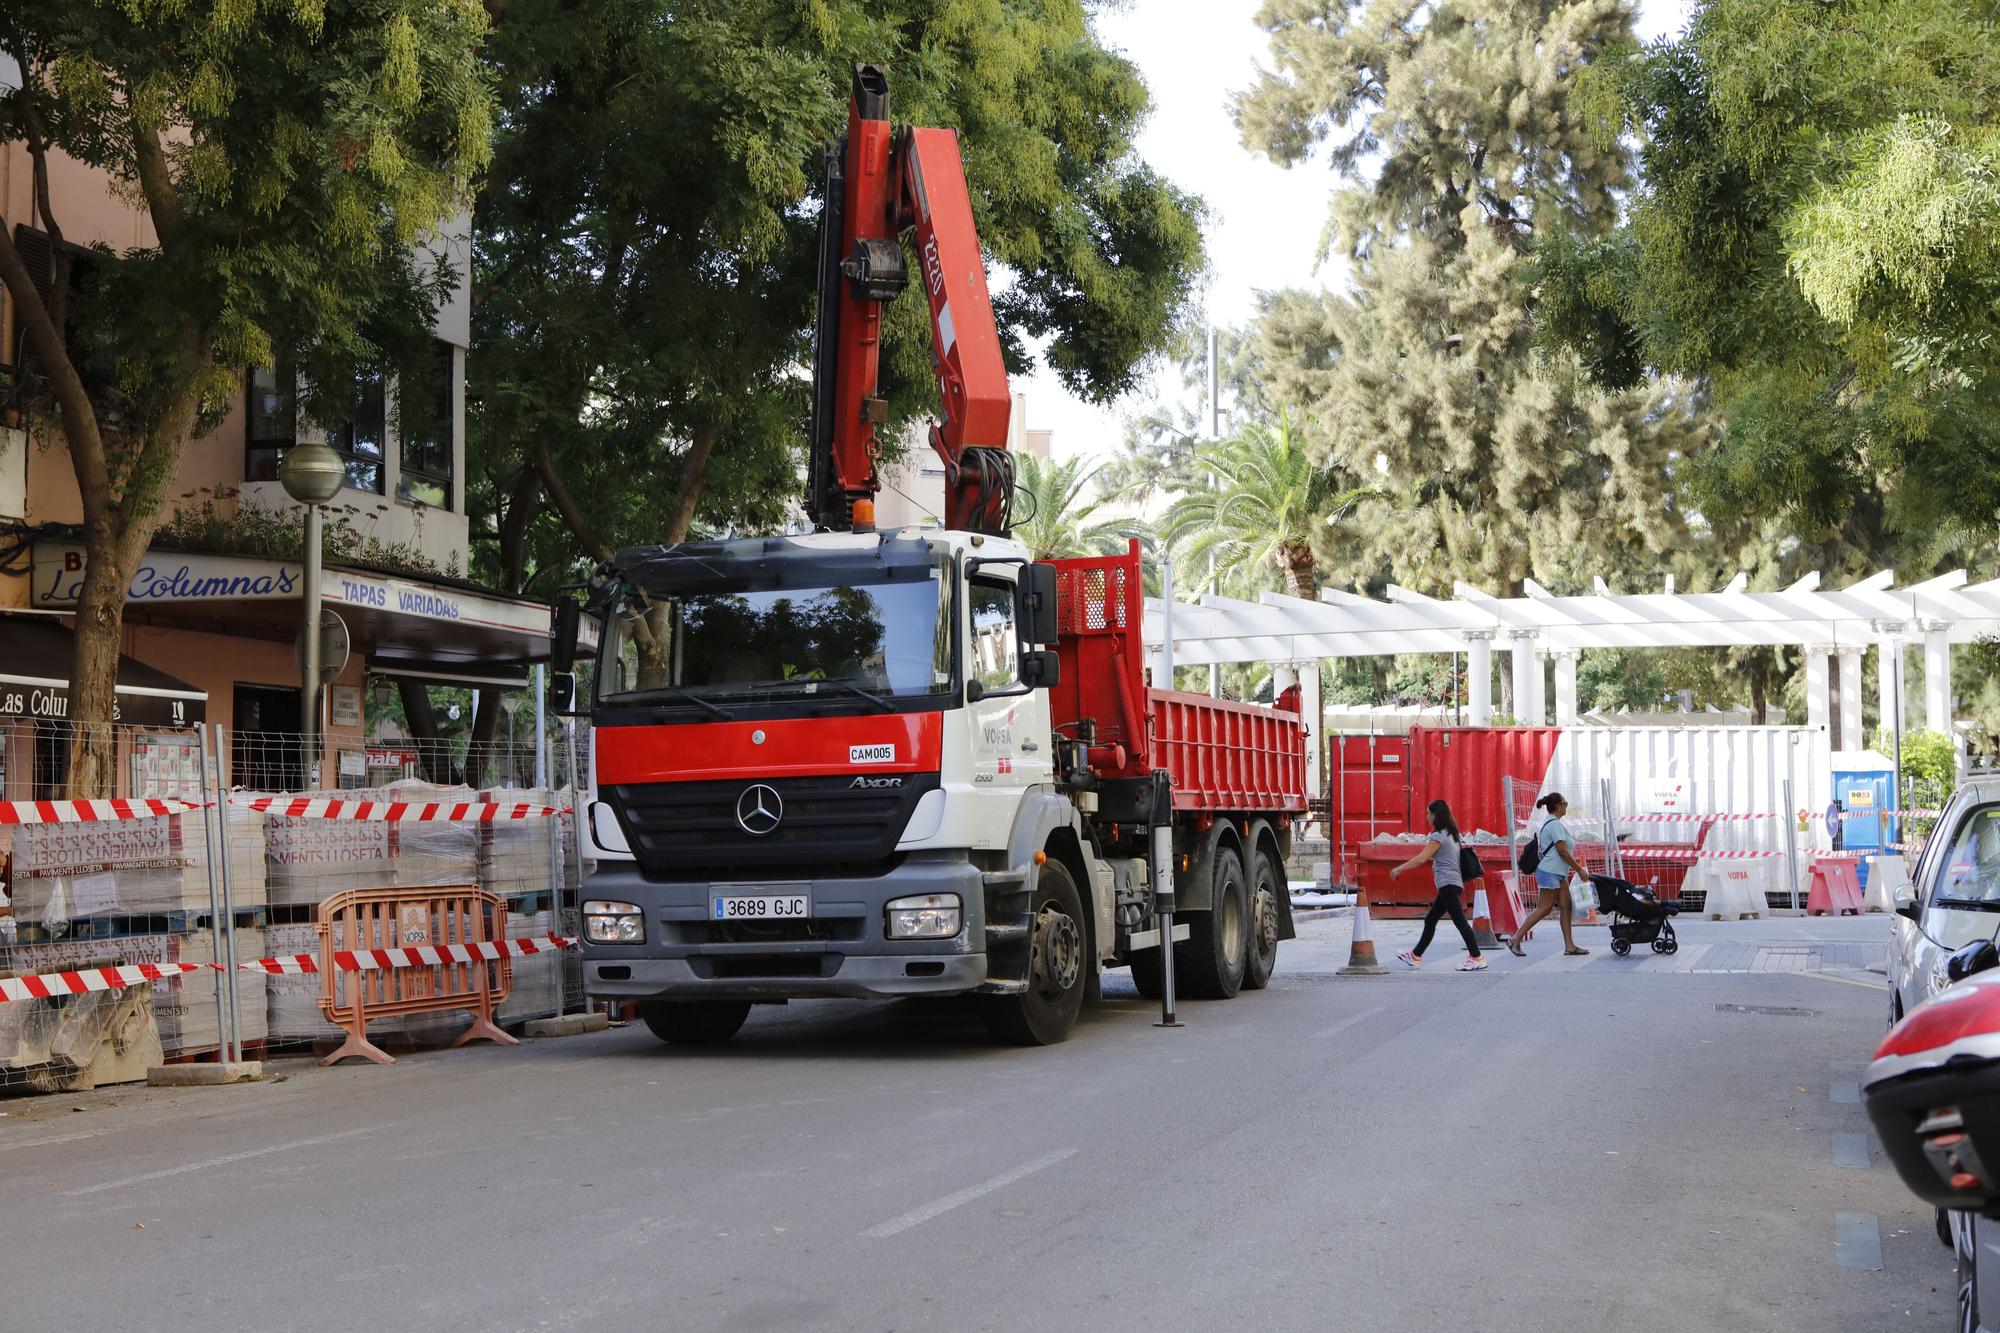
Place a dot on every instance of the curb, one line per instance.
(204, 1075)
(569, 1025)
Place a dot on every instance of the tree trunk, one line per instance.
(694, 480)
(1300, 567)
(432, 755)
(1759, 698)
(93, 675)
(485, 723)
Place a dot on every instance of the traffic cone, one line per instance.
(1361, 954)
(1482, 922)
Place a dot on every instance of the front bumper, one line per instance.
(842, 951)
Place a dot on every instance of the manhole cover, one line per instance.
(1778, 1010)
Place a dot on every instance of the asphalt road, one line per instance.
(1599, 1143)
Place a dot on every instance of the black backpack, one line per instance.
(1531, 854)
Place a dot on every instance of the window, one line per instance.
(271, 418)
(994, 654)
(1969, 874)
(362, 438)
(424, 402)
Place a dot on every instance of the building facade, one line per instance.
(208, 623)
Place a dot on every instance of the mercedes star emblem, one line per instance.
(759, 809)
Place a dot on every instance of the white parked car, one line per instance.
(1953, 897)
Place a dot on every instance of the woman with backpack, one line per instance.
(1554, 863)
(1446, 853)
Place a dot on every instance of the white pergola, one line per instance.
(1833, 625)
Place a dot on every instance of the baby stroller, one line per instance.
(1646, 917)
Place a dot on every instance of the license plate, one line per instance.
(762, 907)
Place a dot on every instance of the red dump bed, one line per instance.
(1222, 756)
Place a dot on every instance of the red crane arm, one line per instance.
(883, 183)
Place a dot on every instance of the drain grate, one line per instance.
(1775, 1010)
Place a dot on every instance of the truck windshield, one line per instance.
(769, 636)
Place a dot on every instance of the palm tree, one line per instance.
(1267, 502)
(1063, 512)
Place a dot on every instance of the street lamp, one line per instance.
(512, 704)
(311, 474)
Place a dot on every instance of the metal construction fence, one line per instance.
(131, 928)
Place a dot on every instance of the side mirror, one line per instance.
(1975, 957)
(1040, 668)
(1904, 901)
(1035, 615)
(561, 691)
(563, 629)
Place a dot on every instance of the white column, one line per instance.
(1565, 686)
(1284, 675)
(1937, 678)
(1538, 689)
(1888, 658)
(1315, 716)
(1479, 678)
(1819, 703)
(1524, 666)
(1851, 737)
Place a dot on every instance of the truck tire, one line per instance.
(1261, 959)
(694, 1022)
(1058, 966)
(1212, 960)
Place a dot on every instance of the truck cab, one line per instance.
(820, 753)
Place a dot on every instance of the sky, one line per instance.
(1264, 221)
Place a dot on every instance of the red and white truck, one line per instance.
(879, 764)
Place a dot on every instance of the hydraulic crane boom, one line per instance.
(885, 182)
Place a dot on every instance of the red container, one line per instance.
(1381, 784)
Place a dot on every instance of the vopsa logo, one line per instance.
(874, 784)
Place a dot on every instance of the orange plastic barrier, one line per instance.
(1835, 888)
(365, 919)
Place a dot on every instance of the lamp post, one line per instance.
(311, 474)
(511, 704)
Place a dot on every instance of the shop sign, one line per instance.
(167, 577)
(391, 758)
(51, 703)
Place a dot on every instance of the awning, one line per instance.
(427, 623)
(35, 657)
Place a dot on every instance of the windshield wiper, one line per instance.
(869, 695)
(659, 692)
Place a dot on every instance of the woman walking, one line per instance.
(1445, 851)
(1555, 863)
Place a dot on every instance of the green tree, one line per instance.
(1264, 507)
(1814, 239)
(1064, 509)
(291, 161)
(646, 263)
(1454, 130)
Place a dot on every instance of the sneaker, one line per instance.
(1410, 958)
(1472, 964)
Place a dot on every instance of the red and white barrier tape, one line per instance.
(51, 985)
(1690, 818)
(1702, 854)
(427, 955)
(88, 812)
(457, 812)
(1892, 814)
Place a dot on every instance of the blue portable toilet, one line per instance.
(1864, 783)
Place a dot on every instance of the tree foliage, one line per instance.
(647, 256)
(1060, 511)
(1456, 129)
(1814, 237)
(291, 162)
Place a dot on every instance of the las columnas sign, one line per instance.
(168, 577)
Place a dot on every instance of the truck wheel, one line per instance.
(1262, 958)
(1058, 963)
(694, 1022)
(1219, 939)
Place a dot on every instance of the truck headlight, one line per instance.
(928, 916)
(613, 922)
